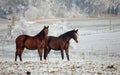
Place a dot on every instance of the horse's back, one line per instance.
(27, 41)
(21, 38)
(50, 39)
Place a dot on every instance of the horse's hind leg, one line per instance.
(20, 57)
(19, 53)
(46, 51)
(16, 56)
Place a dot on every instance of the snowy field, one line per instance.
(97, 52)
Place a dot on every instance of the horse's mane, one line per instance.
(41, 34)
(66, 34)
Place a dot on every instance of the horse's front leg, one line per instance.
(40, 53)
(67, 54)
(62, 54)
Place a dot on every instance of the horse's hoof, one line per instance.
(28, 73)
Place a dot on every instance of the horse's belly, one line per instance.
(31, 45)
(31, 48)
(56, 47)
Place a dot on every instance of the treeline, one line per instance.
(60, 8)
(114, 10)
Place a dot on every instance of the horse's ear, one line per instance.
(47, 26)
(76, 30)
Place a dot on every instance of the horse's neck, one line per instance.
(40, 35)
(66, 39)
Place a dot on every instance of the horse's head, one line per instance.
(74, 35)
(46, 30)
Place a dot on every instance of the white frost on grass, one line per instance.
(63, 68)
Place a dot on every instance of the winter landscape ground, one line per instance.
(97, 52)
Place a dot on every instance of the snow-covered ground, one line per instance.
(97, 52)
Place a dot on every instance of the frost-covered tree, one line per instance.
(60, 8)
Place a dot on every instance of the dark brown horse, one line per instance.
(60, 43)
(31, 43)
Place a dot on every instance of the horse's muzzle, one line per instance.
(76, 41)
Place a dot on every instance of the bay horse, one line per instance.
(60, 43)
(31, 43)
